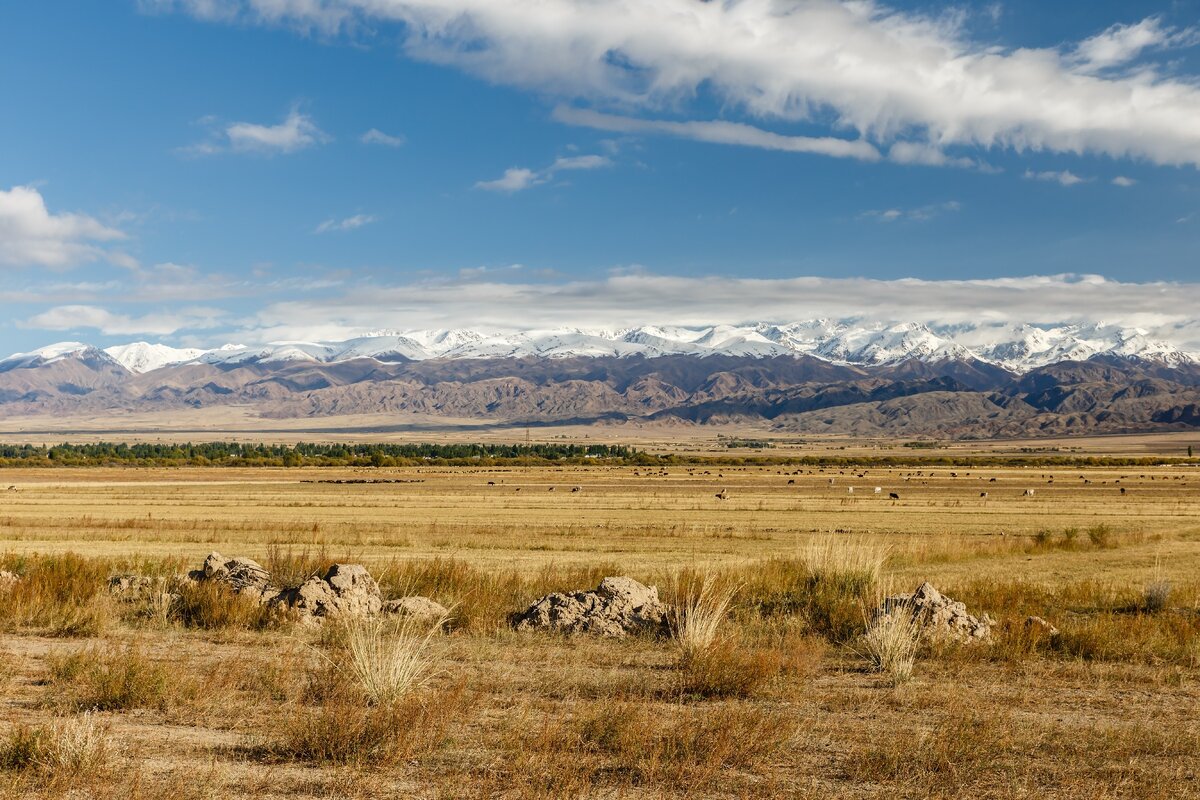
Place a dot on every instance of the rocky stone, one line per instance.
(240, 574)
(345, 589)
(417, 607)
(617, 607)
(939, 616)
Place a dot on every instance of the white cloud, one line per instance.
(854, 65)
(635, 297)
(919, 214)
(1064, 178)
(1124, 182)
(347, 224)
(1121, 44)
(720, 132)
(376, 136)
(516, 179)
(77, 317)
(297, 132)
(31, 236)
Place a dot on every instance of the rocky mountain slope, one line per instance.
(936, 389)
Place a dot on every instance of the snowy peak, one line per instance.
(1017, 348)
(145, 357)
(54, 353)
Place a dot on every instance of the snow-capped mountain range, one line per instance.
(1018, 348)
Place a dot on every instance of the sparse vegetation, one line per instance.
(760, 693)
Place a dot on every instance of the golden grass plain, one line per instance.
(1109, 713)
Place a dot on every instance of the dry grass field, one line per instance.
(103, 698)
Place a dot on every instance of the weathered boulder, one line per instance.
(939, 616)
(240, 574)
(417, 607)
(345, 589)
(618, 606)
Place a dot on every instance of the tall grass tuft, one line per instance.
(80, 746)
(389, 659)
(851, 564)
(890, 643)
(1158, 592)
(698, 612)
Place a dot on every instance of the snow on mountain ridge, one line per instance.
(1018, 348)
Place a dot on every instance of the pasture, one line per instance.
(211, 705)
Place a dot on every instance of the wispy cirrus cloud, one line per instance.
(376, 136)
(885, 73)
(346, 224)
(1063, 178)
(918, 214)
(296, 132)
(516, 179)
(32, 236)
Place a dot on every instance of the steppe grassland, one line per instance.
(786, 708)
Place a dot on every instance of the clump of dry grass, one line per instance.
(618, 743)
(389, 659)
(344, 731)
(699, 609)
(851, 563)
(63, 594)
(890, 643)
(211, 605)
(110, 679)
(289, 568)
(68, 748)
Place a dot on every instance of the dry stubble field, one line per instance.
(219, 702)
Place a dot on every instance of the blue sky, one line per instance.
(198, 171)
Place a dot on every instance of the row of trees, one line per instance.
(305, 454)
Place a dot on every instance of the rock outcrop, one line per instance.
(419, 608)
(240, 574)
(345, 589)
(939, 616)
(617, 607)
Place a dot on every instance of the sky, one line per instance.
(196, 172)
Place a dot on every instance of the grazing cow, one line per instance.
(831, 481)
(893, 496)
(991, 480)
(983, 495)
(491, 483)
(1122, 490)
(1028, 493)
(551, 489)
(849, 490)
(791, 482)
(518, 488)
(722, 495)
(576, 488)
(878, 490)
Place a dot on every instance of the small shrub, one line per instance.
(1100, 535)
(110, 679)
(1156, 596)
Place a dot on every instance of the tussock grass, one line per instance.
(290, 567)
(343, 731)
(852, 564)
(64, 749)
(389, 659)
(110, 679)
(891, 642)
(211, 605)
(700, 605)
